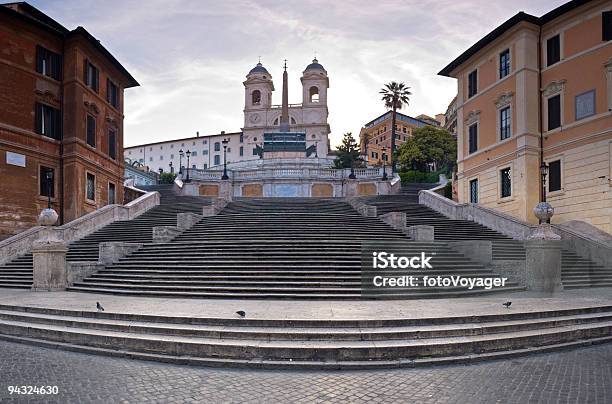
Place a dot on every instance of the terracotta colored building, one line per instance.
(539, 88)
(376, 136)
(61, 111)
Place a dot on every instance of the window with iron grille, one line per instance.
(506, 182)
(217, 159)
(46, 186)
(504, 63)
(473, 138)
(91, 187)
(504, 123)
(474, 191)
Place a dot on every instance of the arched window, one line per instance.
(293, 122)
(256, 97)
(276, 122)
(314, 94)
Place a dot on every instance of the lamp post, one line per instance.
(171, 168)
(352, 174)
(181, 161)
(384, 155)
(49, 177)
(225, 142)
(543, 174)
(316, 149)
(187, 153)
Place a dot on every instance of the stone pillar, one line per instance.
(397, 220)
(421, 233)
(112, 251)
(164, 234)
(480, 251)
(543, 265)
(185, 221)
(49, 255)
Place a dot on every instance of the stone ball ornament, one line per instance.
(544, 211)
(48, 217)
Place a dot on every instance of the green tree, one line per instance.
(429, 145)
(167, 178)
(348, 153)
(395, 95)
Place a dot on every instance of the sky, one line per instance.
(191, 56)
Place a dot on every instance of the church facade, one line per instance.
(309, 116)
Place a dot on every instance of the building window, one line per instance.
(48, 121)
(47, 186)
(150, 158)
(553, 50)
(506, 182)
(112, 144)
(554, 112)
(256, 97)
(217, 146)
(161, 157)
(241, 151)
(205, 152)
(217, 159)
(585, 104)
(91, 187)
(111, 193)
(472, 84)
(193, 166)
(194, 153)
(91, 131)
(474, 191)
(606, 25)
(92, 76)
(504, 123)
(48, 63)
(112, 93)
(554, 176)
(255, 151)
(205, 166)
(504, 63)
(241, 138)
(473, 138)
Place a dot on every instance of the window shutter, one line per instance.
(38, 118)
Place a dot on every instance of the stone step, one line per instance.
(249, 348)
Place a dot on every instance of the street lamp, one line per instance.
(543, 174)
(161, 170)
(171, 168)
(49, 177)
(188, 153)
(316, 149)
(384, 155)
(181, 161)
(225, 142)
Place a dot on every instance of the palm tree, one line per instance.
(395, 96)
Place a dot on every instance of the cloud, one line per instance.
(191, 56)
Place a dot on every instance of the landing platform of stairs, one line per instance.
(326, 335)
(310, 310)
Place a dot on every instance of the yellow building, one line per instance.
(533, 89)
(375, 136)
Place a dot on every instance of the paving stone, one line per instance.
(578, 376)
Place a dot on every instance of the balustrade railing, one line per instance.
(286, 172)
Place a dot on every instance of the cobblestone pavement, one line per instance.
(579, 376)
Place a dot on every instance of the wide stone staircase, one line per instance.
(18, 272)
(576, 271)
(275, 248)
(228, 341)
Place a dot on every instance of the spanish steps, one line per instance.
(282, 248)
